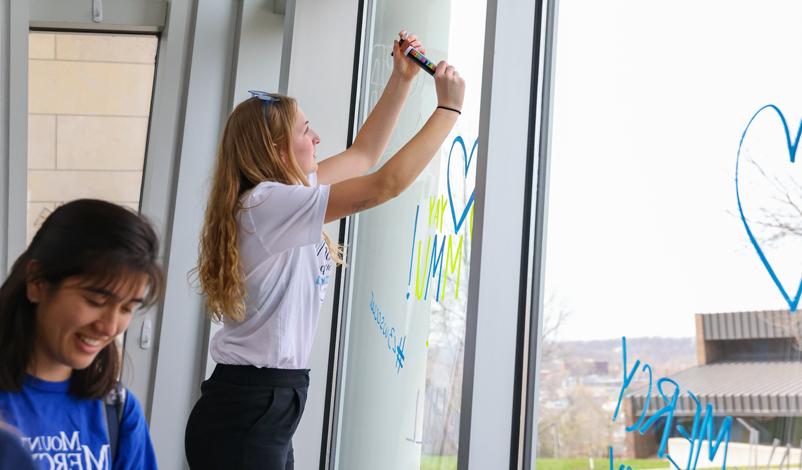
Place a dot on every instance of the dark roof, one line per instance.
(733, 388)
(750, 325)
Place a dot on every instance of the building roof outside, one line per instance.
(733, 388)
(751, 325)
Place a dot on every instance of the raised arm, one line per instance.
(373, 136)
(364, 192)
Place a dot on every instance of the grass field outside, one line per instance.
(450, 463)
(600, 464)
(434, 462)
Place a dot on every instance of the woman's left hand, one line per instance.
(402, 65)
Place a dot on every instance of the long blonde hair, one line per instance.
(250, 150)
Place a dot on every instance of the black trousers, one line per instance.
(245, 419)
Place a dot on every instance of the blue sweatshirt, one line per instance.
(12, 455)
(65, 432)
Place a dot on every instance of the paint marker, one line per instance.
(420, 59)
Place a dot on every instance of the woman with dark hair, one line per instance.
(66, 299)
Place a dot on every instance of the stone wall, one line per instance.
(89, 103)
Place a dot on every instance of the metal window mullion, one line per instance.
(17, 99)
(545, 37)
(158, 182)
(5, 14)
(489, 380)
(338, 351)
(157, 201)
(286, 46)
(179, 367)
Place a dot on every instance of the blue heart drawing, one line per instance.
(792, 146)
(467, 159)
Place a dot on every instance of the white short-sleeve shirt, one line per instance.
(287, 267)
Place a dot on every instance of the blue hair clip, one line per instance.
(266, 99)
(263, 95)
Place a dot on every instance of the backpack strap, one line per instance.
(113, 405)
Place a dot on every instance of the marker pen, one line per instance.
(420, 59)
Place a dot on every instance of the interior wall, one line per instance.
(261, 38)
(182, 336)
(320, 76)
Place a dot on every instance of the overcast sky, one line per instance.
(650, 102)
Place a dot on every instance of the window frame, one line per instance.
(507, 124)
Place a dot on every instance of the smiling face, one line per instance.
(304, 140)
(76, 320)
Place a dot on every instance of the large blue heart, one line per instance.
(467, 159)
(792, 146)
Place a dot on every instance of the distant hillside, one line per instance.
(664, 354)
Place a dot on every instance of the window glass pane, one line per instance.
(406, 318)
(88, 102)
(674, 217)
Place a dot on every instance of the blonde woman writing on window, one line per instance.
(264, 259)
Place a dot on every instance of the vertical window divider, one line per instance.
(493, 330)
(535, 269)
(16, 214)
(343, 278)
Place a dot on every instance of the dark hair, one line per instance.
(97, 241)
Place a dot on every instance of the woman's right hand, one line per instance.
(399, 172)
(450, 87)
